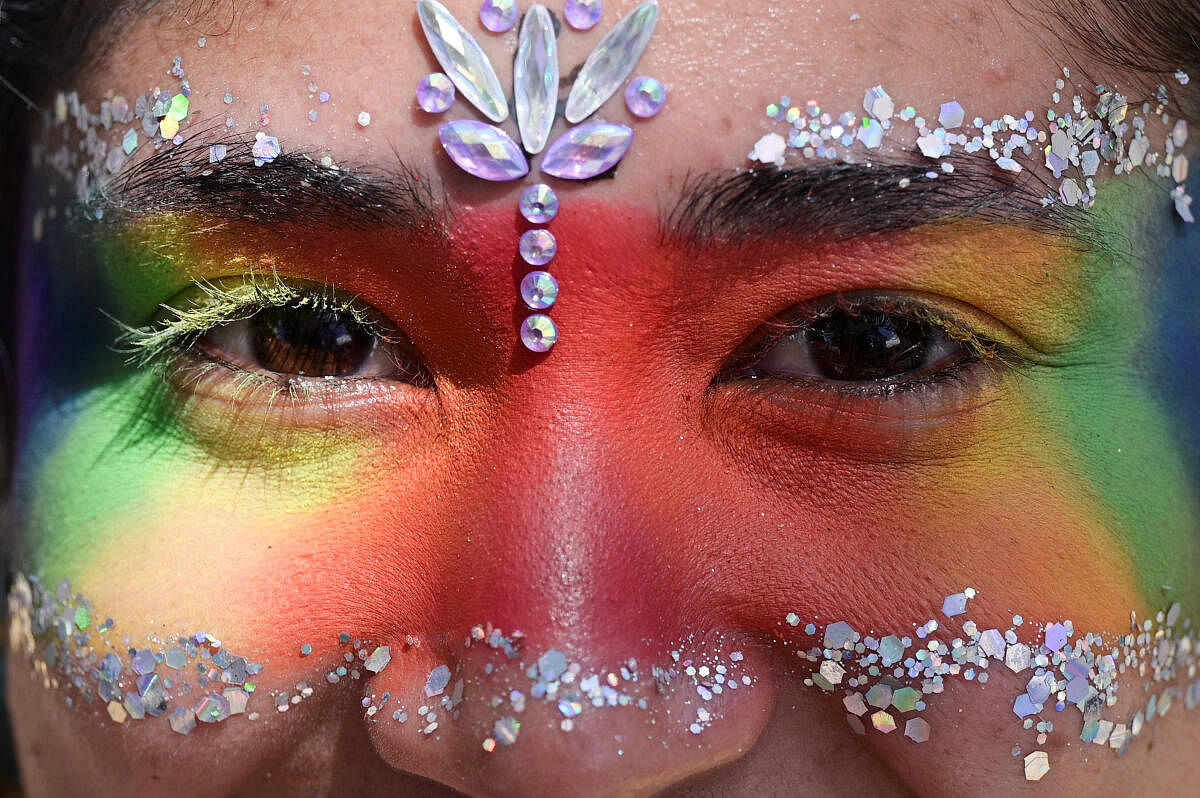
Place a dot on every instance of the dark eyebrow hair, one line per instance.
(842, 200)
(294, 188)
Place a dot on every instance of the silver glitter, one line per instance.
(380, 658)
(438, 678)
(1037, 764)
(506, 729)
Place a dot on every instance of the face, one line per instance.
(844, 470)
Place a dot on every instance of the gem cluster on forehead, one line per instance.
(583, 151)
(1076, 141)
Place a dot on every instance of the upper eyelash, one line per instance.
(179, 328)
(980, 349)
(980, 346)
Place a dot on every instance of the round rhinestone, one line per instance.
(583, 14)
(538, 247)
(435, 93)
(539, 290)
(645, 96)
(539, 203)
(538, 333)
(499, 15)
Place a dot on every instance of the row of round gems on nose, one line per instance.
(584, 151)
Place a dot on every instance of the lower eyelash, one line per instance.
(882, 389)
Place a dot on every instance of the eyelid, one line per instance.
(983, 337)
(208, 304)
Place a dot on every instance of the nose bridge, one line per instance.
(572, 531)
(562, 532)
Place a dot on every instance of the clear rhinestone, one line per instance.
(499, 15)
(483, 150)
(538, 247)
(538, 333)
(539, 204)
(587, 150)
(645, 97)
(535, 78)
(583, 14)
(539, 290)
(611, 62)
(463, 60)
(435, 93)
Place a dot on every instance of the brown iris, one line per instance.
(313, 342)
(867, 344)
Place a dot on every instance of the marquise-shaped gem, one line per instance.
(587, 150)
(463, 60)
(535, 78)
(483, 150)
(611, 62)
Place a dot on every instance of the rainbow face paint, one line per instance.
(671, 545)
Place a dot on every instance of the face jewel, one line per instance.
(583, 14)
(538, 247)
(435, 93)
(645, 97)
(539, 203)
(611, 62)
(498, 16)
(538, 333)
(463, 60)
(539, 290)
(587, 150)
(535, 78)
(483, 150)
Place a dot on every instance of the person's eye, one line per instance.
(307, 339)
(862, 344)
(248, 342)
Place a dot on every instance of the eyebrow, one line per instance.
(293, 189)
(830, 200)
(838, 200)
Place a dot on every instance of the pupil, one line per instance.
(866, 345)
(308, 342)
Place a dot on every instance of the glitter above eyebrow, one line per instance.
(1077, 140)
(217, 176)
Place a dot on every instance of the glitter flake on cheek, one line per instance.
(882, 682)
(194, 679)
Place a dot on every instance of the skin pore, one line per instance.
(612, 499)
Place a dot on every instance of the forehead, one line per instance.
(722, 62)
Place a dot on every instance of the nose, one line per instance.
(587, 655)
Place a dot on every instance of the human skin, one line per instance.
(609, 499)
